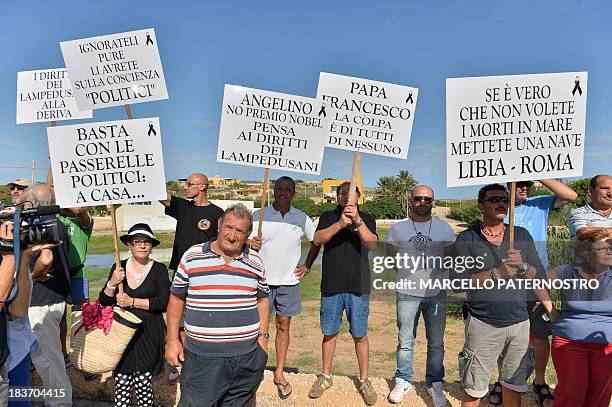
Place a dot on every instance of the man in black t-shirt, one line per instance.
(196, 222)
(196, 217)
(347, 234)
(495, 312)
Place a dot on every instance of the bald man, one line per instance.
(196, 217)
(196, 222)
(421, 236)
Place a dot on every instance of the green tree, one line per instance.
(385, 207)
(582, 189)
(5, 195)
(306, 205)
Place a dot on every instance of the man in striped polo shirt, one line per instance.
(221, 285)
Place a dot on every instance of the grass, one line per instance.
(99, 244)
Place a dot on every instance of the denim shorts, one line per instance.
(357, 309)
(285, 300)
(79, 289)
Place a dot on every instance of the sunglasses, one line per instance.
(190, 184)
(426, 199)
(498, 199)
(524, 184)
(18, 188)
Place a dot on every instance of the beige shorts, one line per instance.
(484, 344)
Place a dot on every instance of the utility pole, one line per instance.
(33, 171)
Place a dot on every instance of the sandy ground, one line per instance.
(304, 361)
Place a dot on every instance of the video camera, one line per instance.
(34, 224)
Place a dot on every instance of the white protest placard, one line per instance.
(515, 128)
(368, 116)
(107, 162)
(46, 95)
(116, 69)
(271, 130)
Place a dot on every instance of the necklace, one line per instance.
(491, 234)
(139, 277)
(419, 241)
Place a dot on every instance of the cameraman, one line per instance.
(49, 293)
(15, 336)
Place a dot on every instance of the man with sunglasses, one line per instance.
(532, 213)
(421, 236)
(18, 188)
(196, 222)
(496, 318)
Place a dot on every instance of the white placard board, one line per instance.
(46, 95)
(368, 116)
(515, 128)
(116, 69)
(107, 162)
(273, 130)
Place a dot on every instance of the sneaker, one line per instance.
(402, 387)
(436, 393)
(319, 386)
(67, 362)
(367, 392)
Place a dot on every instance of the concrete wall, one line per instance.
(153, 214)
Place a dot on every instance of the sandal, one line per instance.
(542, 397)
(496, 391)
(282, 395)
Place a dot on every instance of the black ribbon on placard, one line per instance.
(151, 130)
(149, 40)
(409, 99)
(322, 111)
(577, 87)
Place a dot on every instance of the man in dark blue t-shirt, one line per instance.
(496, 319)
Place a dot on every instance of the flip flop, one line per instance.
(282, 395)
(493, 392)
(542, 397)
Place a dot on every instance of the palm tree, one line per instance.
(397, 187)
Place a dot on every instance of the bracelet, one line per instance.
(110, 287)
(133, 301)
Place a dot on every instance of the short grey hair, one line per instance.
(40, 195)
(239, 211)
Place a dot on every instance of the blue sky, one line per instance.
(282, 46)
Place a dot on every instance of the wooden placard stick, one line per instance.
(264, 194)
(354, 173)
(511, 216)
(111, 209)
(49, 172)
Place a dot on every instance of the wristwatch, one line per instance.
(264, 335)
(524, 269)
(359, 223)
(494, 274)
